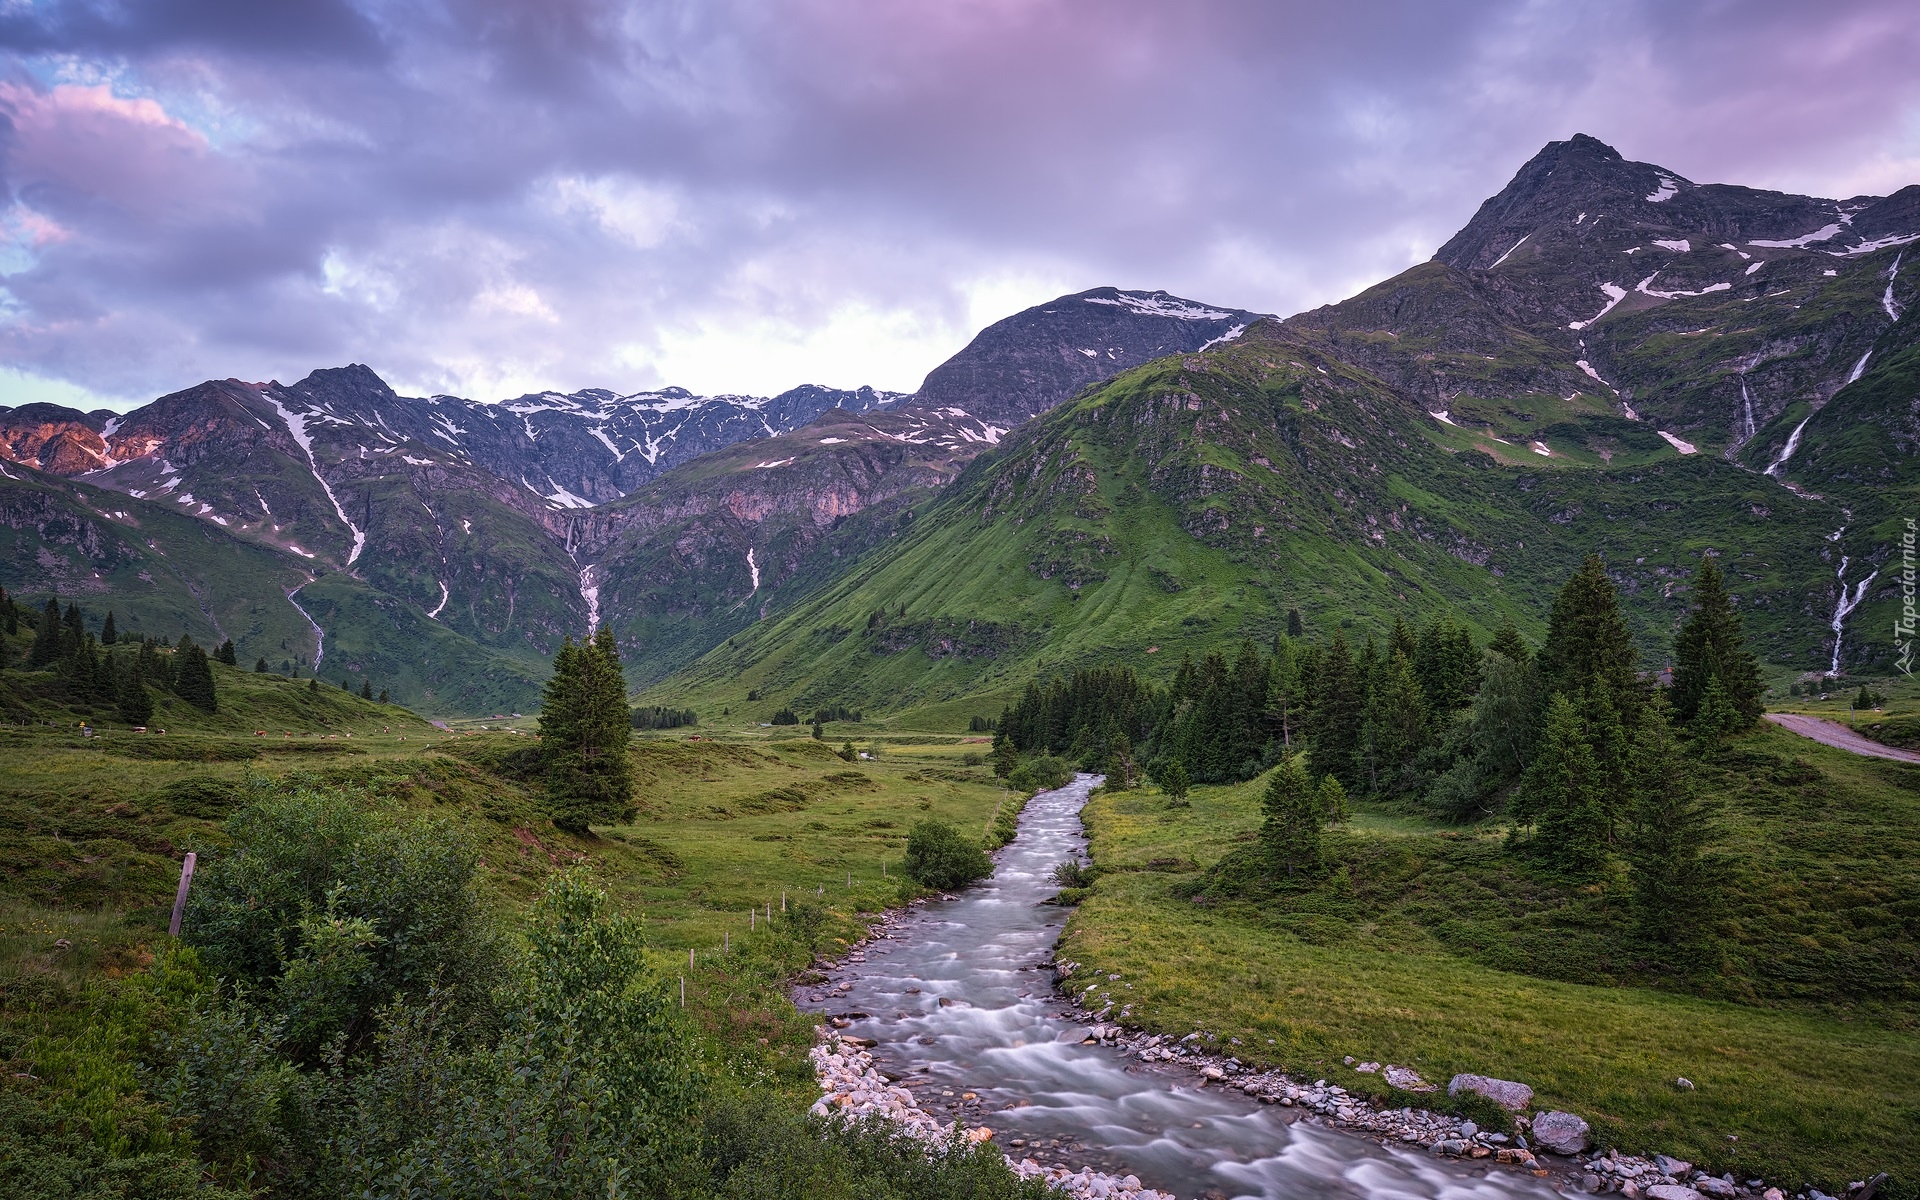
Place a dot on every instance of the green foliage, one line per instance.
(324, 910)
(785, 716)
(1290, 834)
(192, 676)
(655, 716)
(1589, 648)
(224, 654)
(1041, 774)
(1174, 782)
(1561, 794)
(940, 857)
(1711, 648)
(585, 729)
(1676, 890)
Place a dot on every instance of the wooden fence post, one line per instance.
(180, 896)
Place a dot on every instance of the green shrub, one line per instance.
(940, 857)
(328, 910)
(1041, 774)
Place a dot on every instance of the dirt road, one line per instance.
(1832, 733)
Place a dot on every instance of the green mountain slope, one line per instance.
(1194, 500)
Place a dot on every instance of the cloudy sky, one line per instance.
(487, 197)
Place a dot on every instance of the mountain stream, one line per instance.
(958, 998)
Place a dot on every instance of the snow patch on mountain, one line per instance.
(1806, 239)
(1615, 294)
(1684, 447)
(297, 427)
(1159, 304)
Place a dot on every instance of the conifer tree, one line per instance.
(1291, 832)
(1400, 641)
(1338, 715)
(1173, 781)
(226, 654)
(1588, 644)
(585, 729)
(313, 685)
(383, 696)
(1006, 756)
(1509, 643)
(366, 689)
(1396, 724)
(1331, 799)
(46, 639)
(108, 634)
(1560, 795)
(260, 666)
(1295, 628)
(73, 632)
(1709, 646)
(1717, 717)
(1675, 889)
(192, 676)
(135, 704)
(1284, 694)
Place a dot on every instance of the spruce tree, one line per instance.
(1711, 645)
(260, 666)
(383, 696)
(1588, 645)
(226, 653)
(1717, 717)
(73, 631)
(1291, 832)
(136, 705)
(1338, 715)
(1675, 890)
(313, 685)
(1173, 781)
(192, 676)
(1284, 695)
(585, 729)
(1295, 628)
(1396, 724)
(1006, 756)
(1559, 795)
(1509, 643)
(366, 689)
(1331, 799)
(108, 634)
(46, 639)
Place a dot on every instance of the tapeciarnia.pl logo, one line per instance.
(1904, 623)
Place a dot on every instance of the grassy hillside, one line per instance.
(1445, 953)
(1191, 502)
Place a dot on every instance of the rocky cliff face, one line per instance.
(1022, 366)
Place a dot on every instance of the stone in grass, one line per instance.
(1560, 1132)
(1406, 1079)
(1504, 1092)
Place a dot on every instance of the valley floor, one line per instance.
(1785, 1088)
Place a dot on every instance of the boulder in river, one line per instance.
(1504, 1092)
(1561, 1132)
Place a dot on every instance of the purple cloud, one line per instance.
(492, 196)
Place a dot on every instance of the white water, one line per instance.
(1859, 368)
(1886, 301)
(1003, 1035)
(1786, 452)
(590, 592)
(297, 426)
(1847, 603)
(1748, 430)
(435, 614)
(753, 568)
(319, 634)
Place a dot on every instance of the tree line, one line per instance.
(121, 670)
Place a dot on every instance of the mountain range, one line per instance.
(1607, 357)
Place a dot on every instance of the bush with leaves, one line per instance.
(324, 910)
(1042, 774)
(941, 857)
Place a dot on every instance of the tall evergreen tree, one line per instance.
(1588, 645)
(1560, 795)
(366, 689)
(1285, 700)
(1396, 725)
(1338, 715)
(260, 666)
(192, 676)
(1295, 628)
(1173, 781)
(1291, 832)
(108, 634)
(1509, 642)
(47, 638)
(585, 729)
(135, 703)
(1400, 641)
(1711, 645)
(1675, 889)
(226, 653)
